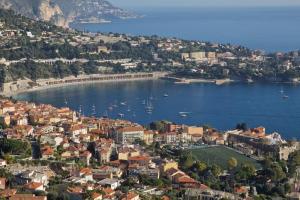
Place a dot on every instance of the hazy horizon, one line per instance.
(203, 3)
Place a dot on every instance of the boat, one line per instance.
(94, 110)
(183, 115)
(285, 97)
(105, 115)
(123, 103)
(121, 115)
(66, 102)
(183, 81)
(110, 108)
(144, 102)
(128, 109)
(149, 106)
(281, 91)
(166, 95)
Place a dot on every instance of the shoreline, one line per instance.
(44, 84)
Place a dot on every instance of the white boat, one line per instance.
(123, 103)
(281, 91)
(183, 115)
(121, 115)
(285, 97)
(166, 95)
(94, 110)
(149, 106)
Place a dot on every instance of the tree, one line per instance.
(200, 166)
(232, 163)
(245, 172)
(216, 170)
(188, 161)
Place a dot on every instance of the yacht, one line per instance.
(285, 97)
(123, 103)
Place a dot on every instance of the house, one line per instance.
(47, 152)
(2, 183)
(129, 134)
(125, 152)
(27, 197)
(131, 196)
(170, 138)
(140, 160)
(3, 163)
(107, 172)
(168, 164)
(148, 137)
(96, 196)
(35, 186)
(110, 182)
(85, 157)
(7, 193)
(32, 176)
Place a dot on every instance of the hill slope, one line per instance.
(63, 12)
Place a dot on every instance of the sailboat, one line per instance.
(66, 102)
(281, 91)
(105, 115)
(94, 110)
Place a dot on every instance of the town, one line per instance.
(43, 51)
(57, 153)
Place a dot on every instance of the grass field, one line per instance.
(219, 155)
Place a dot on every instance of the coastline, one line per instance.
(23, 86)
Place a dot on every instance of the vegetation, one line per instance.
(222, 156)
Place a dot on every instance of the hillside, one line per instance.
(62, 12)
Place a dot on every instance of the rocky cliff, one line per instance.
(63, 12)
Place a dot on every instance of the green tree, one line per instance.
(232, 163)
(201, 166)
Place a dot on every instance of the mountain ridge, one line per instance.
(64, 12)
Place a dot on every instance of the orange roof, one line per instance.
(8, 193)
(86, 171)
(96, 195)
(165, 197)
(130, 129)
(33, 185)
(185, 179)
(130, 195)
(139, 158)
(2, 181)
(27, 197)
(77, 190)
(108, 191)
(240, 190)
(47, 150)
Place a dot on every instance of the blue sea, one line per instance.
(266, 28)
(269, 29)
(219, 106)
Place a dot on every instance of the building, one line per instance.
(2, 183)
(168, 164)
(198, 55)
(27, 197)
(129, 134)
(110, 182)
(3, 163)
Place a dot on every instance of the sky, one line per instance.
(202, 3)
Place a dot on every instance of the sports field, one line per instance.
(219, 155)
